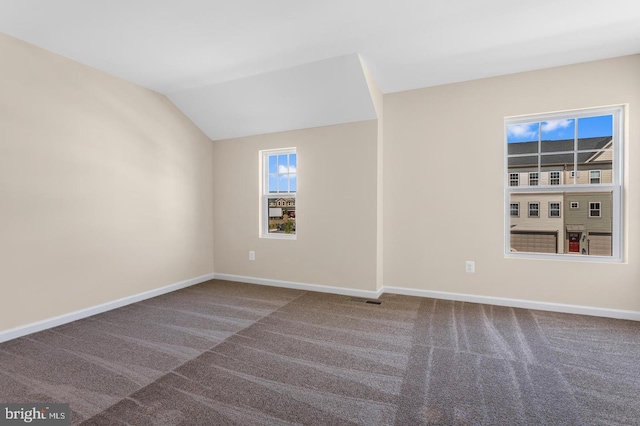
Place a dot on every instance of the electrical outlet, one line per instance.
(470, 266)
(252, 255)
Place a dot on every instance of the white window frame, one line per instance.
(599, 210)
(265, 195)
(559, 209)
(616, 186)
(574, 205)
(551, 178)
(534, 178)
(514, 178)
(516, 209)
(591, 172)
(537, 209)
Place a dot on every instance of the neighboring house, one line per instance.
(588, 223)
(537, 222)
(545, 222)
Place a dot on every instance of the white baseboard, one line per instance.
(300, 286)
(83, 313)
(518, 303)
(16, 332)
(460, 297)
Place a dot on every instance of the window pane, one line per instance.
(293, 163)
(273, 183)
(283, 183)
(283, 164)
(538, 233)
(593, 127)
(282, 215)
(273, 164)
(557, 146)
(559, 160)
(558, 130)
(518, 133)
(588, 223)
(293, 182)
(527, 163)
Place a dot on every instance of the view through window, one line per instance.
(566, 169)
(279, 189)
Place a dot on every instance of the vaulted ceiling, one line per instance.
(252, 66)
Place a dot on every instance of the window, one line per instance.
(279, 189)
(572, 157)
(514, 209)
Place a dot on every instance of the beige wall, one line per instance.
(105, 188)
(335, 208)
(443, 186)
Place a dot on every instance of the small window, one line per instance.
(595, 209)
(594, 176)
(575, 174)
(554, 178)
(533, 179)
(575, 205)
(554, 209)
(514, 179)
(534, 209)
(514, 209)
(279, 190)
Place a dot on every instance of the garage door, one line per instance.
(600, 243)
(535, 242)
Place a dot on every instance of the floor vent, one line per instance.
(366, 301)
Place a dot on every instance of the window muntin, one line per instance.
(534, 209)
(514, 179)
(533, 178)
(578, 158)
(514, 209)
(279, 190)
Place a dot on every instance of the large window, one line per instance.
(279, 189)
(572, 158)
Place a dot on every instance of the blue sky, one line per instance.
(283, 173)
(588, 127)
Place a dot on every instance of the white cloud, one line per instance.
(283, 169)
(522, 131)
(550, 126)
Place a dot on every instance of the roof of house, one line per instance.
(561, 147)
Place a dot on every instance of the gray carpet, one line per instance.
(223, 353)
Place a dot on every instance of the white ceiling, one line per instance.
(179, 46)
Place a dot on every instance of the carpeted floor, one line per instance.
(223, 353)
